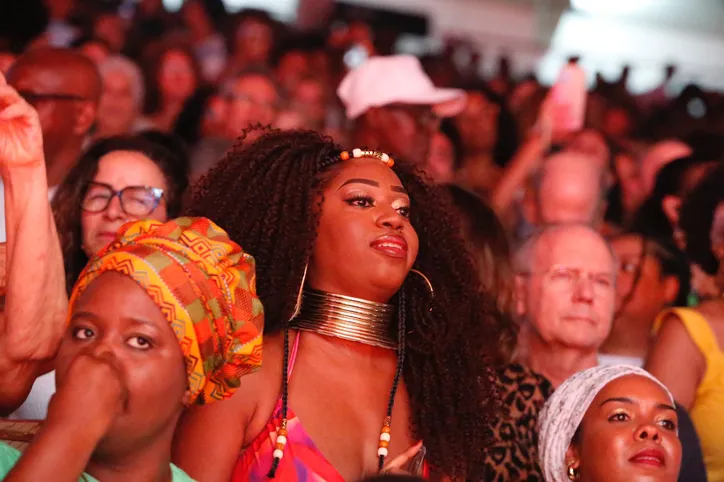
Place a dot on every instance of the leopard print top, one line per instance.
(513, 456)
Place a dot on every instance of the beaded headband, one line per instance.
(360, 153)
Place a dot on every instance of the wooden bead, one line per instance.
(386, 429)
(282, 432)
(384, 443)
(344, 156)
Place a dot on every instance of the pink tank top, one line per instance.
(302, 461)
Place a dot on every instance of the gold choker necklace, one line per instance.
(344, 317)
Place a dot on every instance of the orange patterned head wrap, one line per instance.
(205, 286)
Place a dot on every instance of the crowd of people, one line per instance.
(383, 269)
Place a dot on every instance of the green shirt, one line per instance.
(10, 456)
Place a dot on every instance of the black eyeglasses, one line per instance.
(34, 97)
(137, 201)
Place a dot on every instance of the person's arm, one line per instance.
(79, 416)
(221, 424)
(50, 447)
(35, 300)
(525, 162)
(228, 425)
(681, 372)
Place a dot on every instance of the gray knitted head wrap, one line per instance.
(564, 412)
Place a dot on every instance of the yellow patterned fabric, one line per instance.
(205, 286)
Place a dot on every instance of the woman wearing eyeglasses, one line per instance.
(117, 180)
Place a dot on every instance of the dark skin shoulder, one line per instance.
(339, 405)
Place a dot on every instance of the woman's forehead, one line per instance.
(366, 168)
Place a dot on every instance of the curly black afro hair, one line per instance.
(266, 195)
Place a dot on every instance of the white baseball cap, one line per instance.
(395, 79)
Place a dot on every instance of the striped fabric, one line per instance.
(205, 286)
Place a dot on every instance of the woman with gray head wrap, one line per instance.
(610, 423)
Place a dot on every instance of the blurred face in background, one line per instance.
(118, 106)
(58, 99)
(309, 98)
(253, 42)
(251, 99)
(442, 159)
(628, 173)
(196, 19)
(478, 123)
(292, 67)
(110, 28)
(404, 129)
(176, 76)
(642, 290)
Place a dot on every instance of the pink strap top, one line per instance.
(302, 461)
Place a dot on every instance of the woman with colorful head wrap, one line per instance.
(164, 317)
(613, 423)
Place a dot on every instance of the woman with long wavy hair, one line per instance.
(376, 326)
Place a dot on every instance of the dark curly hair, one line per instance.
(70, 194)
(266, 195)
(697, 217)
(490, 247)
(671, 180)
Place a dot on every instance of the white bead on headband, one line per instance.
(359, 153)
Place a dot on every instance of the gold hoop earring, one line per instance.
(572, 472)
(298, 304)
(426, 280)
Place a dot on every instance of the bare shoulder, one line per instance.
(673, 335)
(256, 391)
(674, 338)
(231, 424)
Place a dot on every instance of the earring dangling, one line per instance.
(298, 305)
(572, 472)
(427, 282)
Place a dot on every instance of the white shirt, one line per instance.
(35, 407)
(620, 360)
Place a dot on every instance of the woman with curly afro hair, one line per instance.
(687, 356)
(377, 329)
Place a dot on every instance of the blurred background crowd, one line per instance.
(581, 199)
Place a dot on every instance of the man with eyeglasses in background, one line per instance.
(64, 87)
(565, 296)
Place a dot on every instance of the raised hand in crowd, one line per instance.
(35, 302)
